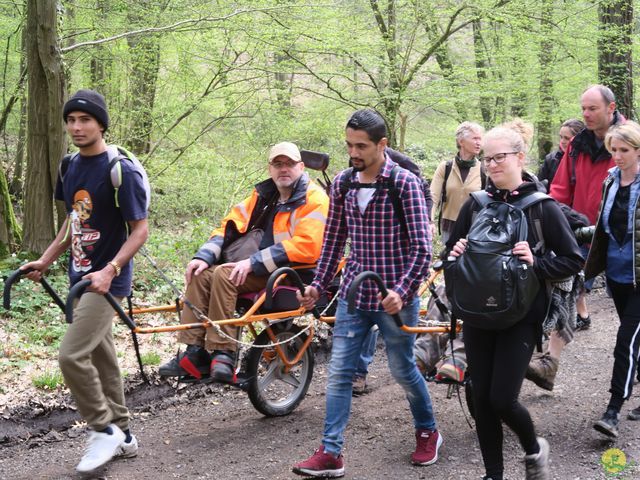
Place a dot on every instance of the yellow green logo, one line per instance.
(614, 460)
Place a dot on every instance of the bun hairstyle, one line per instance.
(517, 132)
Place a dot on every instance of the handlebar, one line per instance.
(6, 294)
(268, 302)
(76, 292)
(353, 290)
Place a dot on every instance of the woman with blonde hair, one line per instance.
(616, 251)
(498, 359)
(455, 179)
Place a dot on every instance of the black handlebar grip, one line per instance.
(8, 283)
(75, 292)
(6, 294)
(353, 290)
(297, 281)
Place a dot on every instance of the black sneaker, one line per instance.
(634, 414)
(222, 366)
(608, 424)
(583, 323)
(194, 361)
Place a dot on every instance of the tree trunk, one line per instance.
(482, 66)
(615, 51)
(282, 83)
(101, 62)
(17, 183)
(9, 229)
(145, 54)
(546, 103)
(45, 136)
(15, 188)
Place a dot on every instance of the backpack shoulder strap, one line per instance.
(447, 172)
(573, 154)
(482, 198)
(483, 177)
(63, 166)
(533, 203)
(394, 195)
(115, 156)
(345, 181)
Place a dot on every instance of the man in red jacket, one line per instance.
(584, 166)
(578, 184)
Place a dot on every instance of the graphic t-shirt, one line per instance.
(96, 226)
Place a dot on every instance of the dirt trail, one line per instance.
(214, 432)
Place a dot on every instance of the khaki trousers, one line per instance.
(89, 364)
(214, 294)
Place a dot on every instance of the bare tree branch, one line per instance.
(182, 25)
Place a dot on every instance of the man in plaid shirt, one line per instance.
(400, 252)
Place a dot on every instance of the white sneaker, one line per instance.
(128, 450)
(101, 447)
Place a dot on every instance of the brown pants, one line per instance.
(89, 364)
(214, 294)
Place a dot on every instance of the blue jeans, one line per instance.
(588, 284)
(349, 333)
(367, 353)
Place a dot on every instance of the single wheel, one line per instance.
(468, 396)
(273, 391)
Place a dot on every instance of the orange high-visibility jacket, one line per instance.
(298, 227)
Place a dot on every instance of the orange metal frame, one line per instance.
(250, 318)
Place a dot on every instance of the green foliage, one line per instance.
(151, 358)
(228, 86)
(49, 380)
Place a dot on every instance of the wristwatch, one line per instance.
(116, 267)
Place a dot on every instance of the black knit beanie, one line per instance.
(88, 101)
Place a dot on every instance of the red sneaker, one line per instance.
(321, 464)
(427, 444)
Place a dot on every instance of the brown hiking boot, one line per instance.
(542, 370)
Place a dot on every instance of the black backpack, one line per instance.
(488, 286)
(389, 184)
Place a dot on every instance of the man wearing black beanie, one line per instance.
(88, 101)
(95, 231)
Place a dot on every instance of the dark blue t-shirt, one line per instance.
(96, 226)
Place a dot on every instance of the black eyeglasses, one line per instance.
(498, 157)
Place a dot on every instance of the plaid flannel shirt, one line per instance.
(379, 242)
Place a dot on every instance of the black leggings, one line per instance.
(498, 361)
(627, 349)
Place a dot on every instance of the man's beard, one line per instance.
(358, 169)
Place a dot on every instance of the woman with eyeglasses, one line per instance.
(498, 359)
(616, 251)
